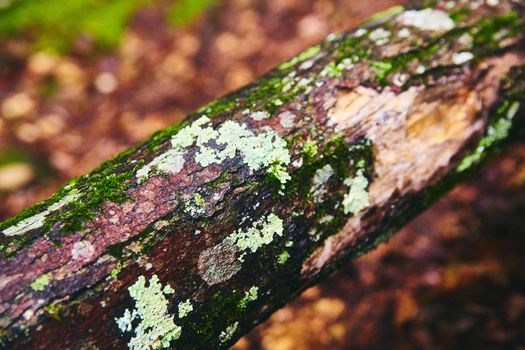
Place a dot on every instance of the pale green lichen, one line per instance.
(228, 332)
(256, 151)
(216, 145)
(170, 162)
(185, 307)
(283, 257)
(196, 206)
(249, 296)
(357, 197)
(261, 233)
(40, 283)
(156, 327)
(38, 220)
(278, 171)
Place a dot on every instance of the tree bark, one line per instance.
(198, 234)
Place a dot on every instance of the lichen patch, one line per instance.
(249, 296)
(261, 233)
(462, 57)
(156, 327)
(260, 115)
(184, 308)
(427, 20)
(319, 187)
(218, 263)
(380, 36)
(40, 283)
(264, 150)
(287, 119)
(36, 221)
(228, 332)
(82, 250)
(357, 197)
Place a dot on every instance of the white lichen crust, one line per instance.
(81, 250)
(156, 327)
(427, 20)
(38, 220)
(319, 181)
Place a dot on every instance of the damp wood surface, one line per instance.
(199, 233)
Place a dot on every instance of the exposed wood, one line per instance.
(201, 232)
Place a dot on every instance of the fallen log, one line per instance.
(199, 233)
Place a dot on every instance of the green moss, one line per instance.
(102, 188)
(55, 24)
(249, 296)
(199, 201)
(221, 310)
(484, 32)
(332, 70)
(54, 311)
(497, 131)
(283, 257)
(115, 272)
(461, 14)
(310, 149)
(381, 69)
(183, 12)
(513, 85)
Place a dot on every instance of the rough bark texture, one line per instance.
(201, 232)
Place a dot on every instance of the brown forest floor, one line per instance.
(452, 279)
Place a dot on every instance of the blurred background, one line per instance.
(81, 80)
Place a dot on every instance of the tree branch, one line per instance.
(198, 234)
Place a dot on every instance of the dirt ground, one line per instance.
(452, 279)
